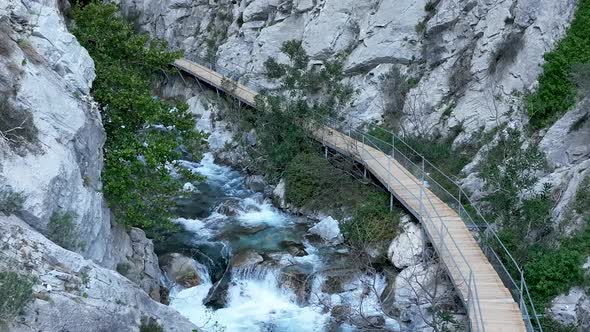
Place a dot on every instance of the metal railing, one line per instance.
(448, 191)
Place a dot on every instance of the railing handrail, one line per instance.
(463, 197)
(466, 277)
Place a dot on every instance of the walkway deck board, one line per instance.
(494, 305)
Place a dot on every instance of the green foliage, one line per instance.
(372, 222)
(62, 229)
(150, 324)
(283, 122)
(143, 132)
(556, 92)
(314, 183)
(123, 268)
(509, 173)
(394, 89)
(552, 270)
(16, 290)
(10, 201)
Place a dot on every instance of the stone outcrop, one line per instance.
(471, 55)
(328, 230)
(181, 269)
(407, 248)
(72, 293)
(62, 171)
(46, 76)
(572, 309)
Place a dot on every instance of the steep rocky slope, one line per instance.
(51, 157)
(73, 293)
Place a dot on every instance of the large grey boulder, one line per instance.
(407, 248)
(180, 269)
(72, 293)
(328, 229)
(564, 308)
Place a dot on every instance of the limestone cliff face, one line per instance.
(471, 60)
(60, 171)
(470, 57)
(55, 162)
(73, 293)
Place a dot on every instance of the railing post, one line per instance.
(521, 295)
(423, 170)
(393, 146)
(460, 205)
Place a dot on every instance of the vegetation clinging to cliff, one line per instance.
(143, 132)
(16, 290)
(557, 90)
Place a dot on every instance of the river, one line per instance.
(270, 272)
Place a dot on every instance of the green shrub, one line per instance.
(552, 270)
(150, 324)
(306, 96)
(62, 229)
(16, 290)
(372, 222)
(311, 180)
(123, 268)
(557, 93)
(143, 132)
(10, 201)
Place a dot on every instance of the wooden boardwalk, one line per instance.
(487, 300)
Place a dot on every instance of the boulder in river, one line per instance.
(181, 269)
(230, 207)
(328, 230)
(246, 258)
(294, 248)
(298, 281)
(255, 183)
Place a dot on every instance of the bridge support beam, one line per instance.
(390, 202)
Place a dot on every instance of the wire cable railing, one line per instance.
(448, 191)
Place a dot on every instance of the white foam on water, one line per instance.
(261, 213)
(193, 225)
(252, 305)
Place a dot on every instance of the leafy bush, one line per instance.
(10, 201)
(552, 270)
(509, 173)
(16, 290)
(62, 229)
(313, 182)
(556, 92)
(394, 89)
(124, 268)
(143, 132)
(150, 324)
(283, 121)
(372, 222)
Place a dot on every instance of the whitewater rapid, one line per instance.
(257, 299)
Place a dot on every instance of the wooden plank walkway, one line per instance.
(486, 298)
